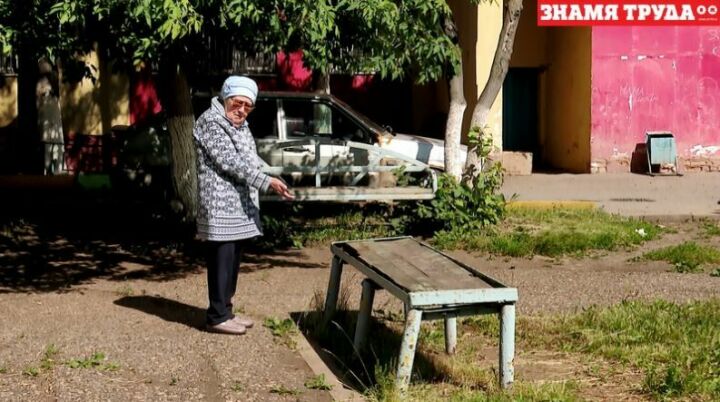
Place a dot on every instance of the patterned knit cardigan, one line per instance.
(229, 178)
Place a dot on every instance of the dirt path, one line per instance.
(147, 323)
(150, 330)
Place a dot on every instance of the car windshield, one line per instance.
(348, 109)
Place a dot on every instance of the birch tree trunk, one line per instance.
(453, 126)
(512, 9)
(322, 82)
(180, 120)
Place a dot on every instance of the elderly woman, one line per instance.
(229, 179)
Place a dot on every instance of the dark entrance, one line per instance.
(520, 111)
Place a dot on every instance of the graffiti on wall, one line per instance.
(655, 79)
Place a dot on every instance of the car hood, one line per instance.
(424, 149)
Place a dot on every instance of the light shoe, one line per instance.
(244, 321)
(231, 327)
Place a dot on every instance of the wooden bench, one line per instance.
(432, 285)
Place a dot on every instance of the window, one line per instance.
(311, 118)
(263, 119)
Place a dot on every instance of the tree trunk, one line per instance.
(453, 126)
(177, 105)
(322, 82)
(511, 17)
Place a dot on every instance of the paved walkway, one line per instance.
(626, 193)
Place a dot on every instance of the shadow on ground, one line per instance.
(278, 259)
(373, 367)
(168, 310)
(55, 240)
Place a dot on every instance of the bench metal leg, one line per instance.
(363, 322)
(407, 349)
(450, 334)
(507, 345)
(333, 289)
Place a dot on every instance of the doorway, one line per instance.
(520, 111)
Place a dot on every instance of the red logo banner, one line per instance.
(608, 12)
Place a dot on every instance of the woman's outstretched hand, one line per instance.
(281, 189)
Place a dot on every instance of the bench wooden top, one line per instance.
(413, 266)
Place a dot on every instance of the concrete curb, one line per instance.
(550, 204)
(338, 392)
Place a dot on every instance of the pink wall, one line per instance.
(655, 79)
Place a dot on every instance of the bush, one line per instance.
(461, 207)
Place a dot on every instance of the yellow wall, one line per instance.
(563, 57)
(530, 48)
(87, 108)
(489, 22)
(566, 82)
(8, 100)
(93, 108)
(479, 28)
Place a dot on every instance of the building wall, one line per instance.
(530, 49)
(8, 100)
(93, 107)
(88, 107)
(566, 89)
(479, 28)
(562, 57)
(489, 22)
(655, 79)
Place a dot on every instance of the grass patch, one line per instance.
(711, 229)
(283, 391)
(3, 370)
(685, 257)
(282, 330)
(318, 382)
(676, 346)
(97, 360)
(300, 225)
(31, 371)
(436, 376)
(553, 232)
(48, 361)
(125, 290)
(521, 392)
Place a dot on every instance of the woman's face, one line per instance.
(237, 109)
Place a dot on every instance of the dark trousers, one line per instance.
(223, 260)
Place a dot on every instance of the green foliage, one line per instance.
(390, 37)
(465, 207)
(676, 345)
(711, 229)
(26, 24)
(282, 329)
(97, 361)
(685, 257)
(48, 360)
(284, 391)
(318, 382)
(31, 371)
